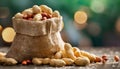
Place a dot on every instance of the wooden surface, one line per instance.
(98, 51)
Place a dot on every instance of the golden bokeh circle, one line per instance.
(8, 34)
(80, 17)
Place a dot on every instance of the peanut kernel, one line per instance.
(116, 58)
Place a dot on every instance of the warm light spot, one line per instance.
(97, 6)
(94, 29)
(86, 9)
(4, 12)
(80, 17)
(117, 26)
(8, 34)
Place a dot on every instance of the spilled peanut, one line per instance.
(69, 52)
(46, 61)
(92, 57)
(57, 62)
(37, 61)
(68, 61)
(58, 55)
(82, 61)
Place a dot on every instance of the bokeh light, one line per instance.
(94, 29)
(85, 9)
(8, 34)
(117, 25)
(21, 3)
(80, 17)
(97, 6)
(4, 12)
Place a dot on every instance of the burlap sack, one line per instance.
(36, 38)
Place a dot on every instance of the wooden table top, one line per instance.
(98, 51)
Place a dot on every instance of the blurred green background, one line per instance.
(101, 29)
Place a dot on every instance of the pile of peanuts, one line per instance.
(69, 56)
(72, 56)
(38, 13)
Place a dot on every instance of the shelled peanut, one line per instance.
(38, 13)
(104, 57)
(26, 62)
(98, 59)
(116, 58)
